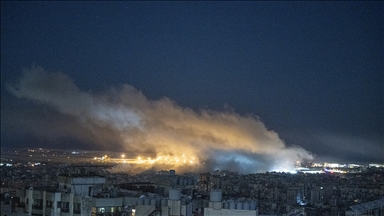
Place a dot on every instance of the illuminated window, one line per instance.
(101, 210)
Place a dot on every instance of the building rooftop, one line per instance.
(368, 206)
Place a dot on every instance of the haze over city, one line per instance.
(249, 86)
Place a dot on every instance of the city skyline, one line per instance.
(62, 182)
(240, 84)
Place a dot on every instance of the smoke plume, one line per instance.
(177, 137)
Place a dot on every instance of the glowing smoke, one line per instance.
(202, 140)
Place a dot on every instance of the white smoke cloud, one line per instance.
(214, 140)
(59, 91)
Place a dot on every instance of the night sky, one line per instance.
(312, 72)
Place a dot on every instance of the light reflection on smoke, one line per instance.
(175, 135)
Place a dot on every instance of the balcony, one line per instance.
(65, 210)
(20, 205)
(20, 209)
(37, 211)
(109, 213)
(38, 207)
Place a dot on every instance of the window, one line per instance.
(65, 207)
(76, 208)
(48, 204)
(37, 204)
(101, 210)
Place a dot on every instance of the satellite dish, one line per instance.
(126, 206)
(6, 195)
(142, 196)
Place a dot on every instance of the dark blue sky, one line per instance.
(312, 71)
